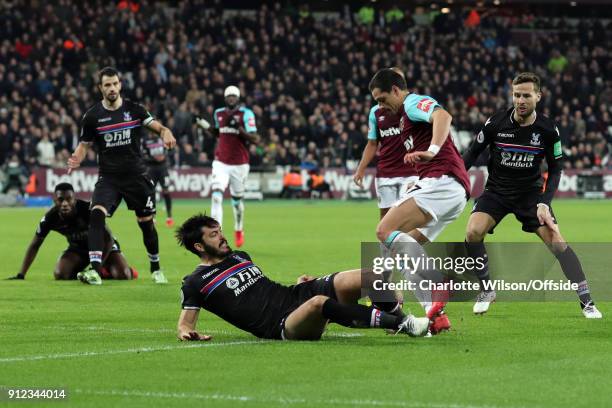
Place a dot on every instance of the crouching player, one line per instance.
(228, 284)
(70, 217)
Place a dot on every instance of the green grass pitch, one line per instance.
(114, 345)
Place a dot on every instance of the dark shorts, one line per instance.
(524, 207)
(300, 294)
(159, 175)
(83, 252)
(137, 190)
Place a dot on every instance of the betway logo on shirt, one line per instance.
(394, 131)
(227, 129)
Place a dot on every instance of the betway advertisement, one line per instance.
(196, 182)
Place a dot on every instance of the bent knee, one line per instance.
(382, 232)
(317, 302)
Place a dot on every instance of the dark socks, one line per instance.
(570, 264)
(95, 238)
(478, 250)
(359, 316)
(151, 243)
(168, 201)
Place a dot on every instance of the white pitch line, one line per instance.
(205, 331)
(281, 400)
(126, 351)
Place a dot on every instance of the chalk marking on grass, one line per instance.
(282, 400)
(128, 351)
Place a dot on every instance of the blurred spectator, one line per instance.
(292, 184)
(317, 186)
(305, 74)
(15, 175)
(46, 151)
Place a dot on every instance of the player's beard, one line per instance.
(112, 97)
(220, 251)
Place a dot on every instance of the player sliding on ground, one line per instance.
(228, 284)
(70, 217)
(518, 140)
(440, 194)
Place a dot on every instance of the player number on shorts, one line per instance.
(149, 203)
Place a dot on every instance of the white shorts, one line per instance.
(391, 189)
(443, 198)
(233, 174)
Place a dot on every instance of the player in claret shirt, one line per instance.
(114, 128)
(393, 176)
(235, 128)
(230, 285)
(519, 139)
(440, 194)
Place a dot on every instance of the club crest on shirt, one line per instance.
(535, 139)
(126, 116)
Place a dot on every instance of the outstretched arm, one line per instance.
(187, 326)
(29, 257)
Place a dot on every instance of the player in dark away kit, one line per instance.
(230, 285)
(114, 127)
(70, 217)
(519, 139)
(155, 154)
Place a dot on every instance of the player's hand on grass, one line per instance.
(193, 336)
(418, 157)
(544, 216)
(73, 163)
(358, 178)
(17, 277)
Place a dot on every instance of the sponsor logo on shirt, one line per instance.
(227, 129)
(517, 160)
(393, 131)
(425, 104)
(505, 135)
(381, 118)
(104, 119)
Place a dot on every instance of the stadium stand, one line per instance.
(303, 72)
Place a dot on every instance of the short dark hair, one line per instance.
(63, 187)
(107, 71)
(190, 232)
(526, 77)
(386, 78)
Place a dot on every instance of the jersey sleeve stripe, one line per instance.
(219, 279)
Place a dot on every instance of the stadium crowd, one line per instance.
(304, 74)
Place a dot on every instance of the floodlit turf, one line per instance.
(114, 345)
